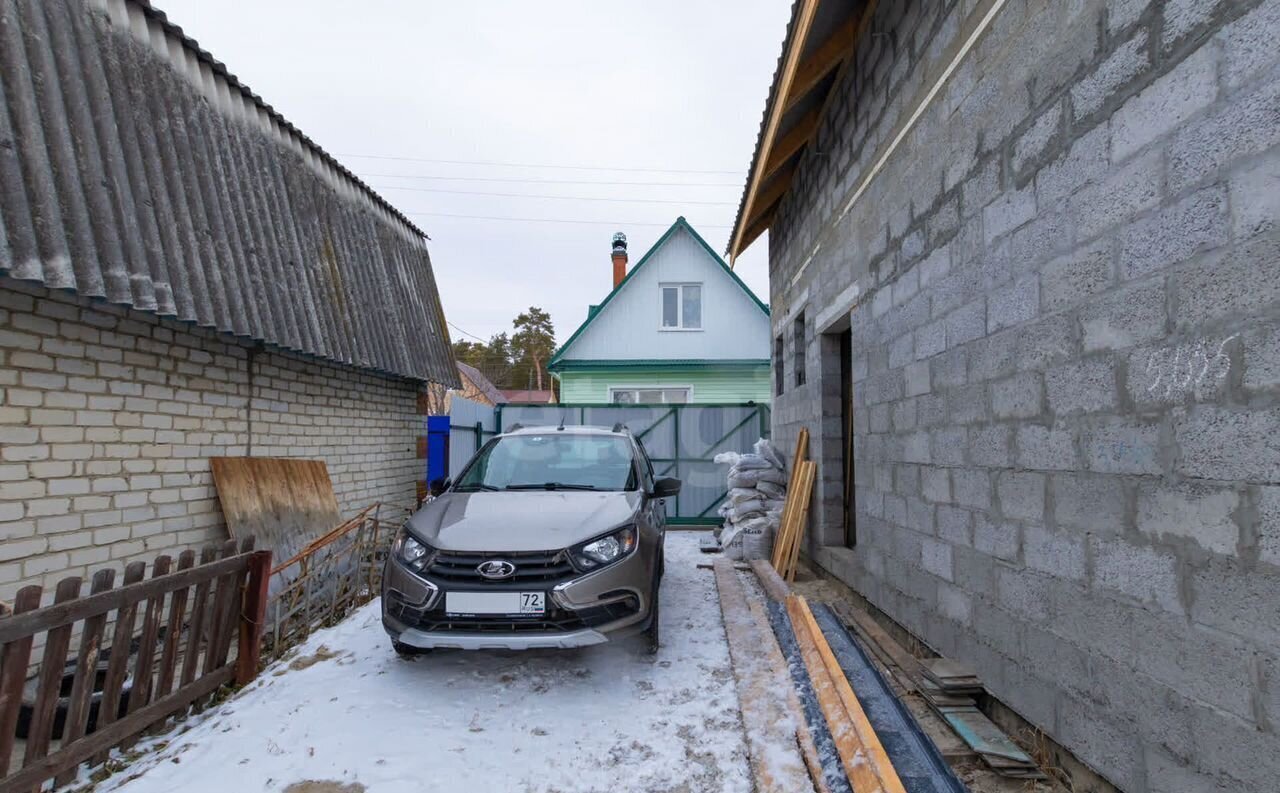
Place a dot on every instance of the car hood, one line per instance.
(510, 521)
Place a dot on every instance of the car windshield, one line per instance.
(552, 461)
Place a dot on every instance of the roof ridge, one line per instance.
(679, 223)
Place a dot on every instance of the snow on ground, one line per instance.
(605, 718)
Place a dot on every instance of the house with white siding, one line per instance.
(679, 327)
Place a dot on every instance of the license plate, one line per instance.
(470, 604)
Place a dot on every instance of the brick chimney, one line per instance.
(619, 258)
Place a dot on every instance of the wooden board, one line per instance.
(781, 540)
(773, 654)
(864, 757)
(808, 478)
(770, 581)
(762, 679)
(283, 503)
(788, 554)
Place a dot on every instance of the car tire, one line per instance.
(652, 635)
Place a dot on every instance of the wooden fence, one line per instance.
(77, 711)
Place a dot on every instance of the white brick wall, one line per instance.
(108, 418)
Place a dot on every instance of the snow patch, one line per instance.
(344, 709)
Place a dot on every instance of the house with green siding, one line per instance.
(679, 327)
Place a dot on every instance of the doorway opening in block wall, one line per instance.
(846, 436)
(836, 346)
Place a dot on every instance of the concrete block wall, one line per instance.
(108, 418)
(1064, 296)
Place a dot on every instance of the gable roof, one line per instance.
(680, 223)
(166, 185)
(483, 384)
(528, 396)
(820, 39)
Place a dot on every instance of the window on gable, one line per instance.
(779, 379)
(799, 342)
(681, 306)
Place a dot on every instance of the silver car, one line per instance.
(549, 537)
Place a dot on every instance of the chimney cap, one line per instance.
(619, 241)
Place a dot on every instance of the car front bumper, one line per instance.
(592, 608)
(458, 640)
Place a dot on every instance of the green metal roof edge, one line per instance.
(680, 223)
(658, 363)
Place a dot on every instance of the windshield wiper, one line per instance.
(471, 488)
(551, 486)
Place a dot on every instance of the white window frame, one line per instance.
(688, 389)
(679, 287)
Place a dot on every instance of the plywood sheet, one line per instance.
(283, 503)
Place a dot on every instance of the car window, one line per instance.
(552, 460)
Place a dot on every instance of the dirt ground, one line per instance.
(968, 766)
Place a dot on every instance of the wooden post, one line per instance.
(52, 665)
(13, 675)
(253, 614)
(173, 634)
(196, 633)
(118, 666)
(77, 718)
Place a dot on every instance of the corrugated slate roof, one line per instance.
(483, 384)
(135, 168)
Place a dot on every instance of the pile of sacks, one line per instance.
(753, 508)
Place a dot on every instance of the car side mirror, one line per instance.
(666, 487)
(440, 485)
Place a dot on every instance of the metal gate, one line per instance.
(680, 439)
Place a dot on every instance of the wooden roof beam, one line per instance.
(792, 142)
(827, 57)
(770, 195)
(766, 205)
(758, 226)
(830, 54)
(790, 60)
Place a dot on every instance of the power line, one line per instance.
(554, 197)
(555, 220)
(433, 177)
(464, 333)
(535, 165)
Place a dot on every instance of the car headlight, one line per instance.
(413, 553)
(605, 550)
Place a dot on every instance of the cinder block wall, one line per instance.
(1064, 295)
(108, 418)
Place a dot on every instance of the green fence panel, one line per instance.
(682, 440)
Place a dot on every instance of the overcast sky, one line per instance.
(664, 88)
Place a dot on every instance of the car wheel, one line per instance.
(407, 650)
(652, 637)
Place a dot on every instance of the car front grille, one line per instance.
(546, 568)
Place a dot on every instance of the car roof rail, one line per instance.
(514, 427)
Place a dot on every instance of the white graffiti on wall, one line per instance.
(1178, 371)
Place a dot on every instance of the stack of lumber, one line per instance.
(950, 677)
(795, 513)
(949, 688)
